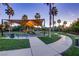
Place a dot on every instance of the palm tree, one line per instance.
(24, 17)
(9, 12)
(59, 21)
(54, 22)
(6, 4)
(54, 13)
(37, 16)
(50, 7)
(64, 23)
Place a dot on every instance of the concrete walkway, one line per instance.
(18, 52)
(54, 49)
(61, 45)
(39, 48)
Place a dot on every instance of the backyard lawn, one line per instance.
(10, 44)
(48, 40)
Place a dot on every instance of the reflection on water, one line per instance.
(22, 36)
(18, 36)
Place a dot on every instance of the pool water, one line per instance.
(17, 36)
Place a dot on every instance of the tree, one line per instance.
(53, 28)
(54, 22)
(75, 27)
(6, 4)
(24, 17)
(50, 7)
(54, 12)
(64, 23)
(17, 28)
(59, 21)
(37, 16)
(9, 12)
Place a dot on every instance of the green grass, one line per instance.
(11, 44)
(48, 40)
(73, 50)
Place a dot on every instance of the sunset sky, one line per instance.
(66, 11)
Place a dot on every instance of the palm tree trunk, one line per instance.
(53, 23)
(50, 20)
(9, 17)
(2, 28)
(9, 24)
(59, 27)
(44, 27)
